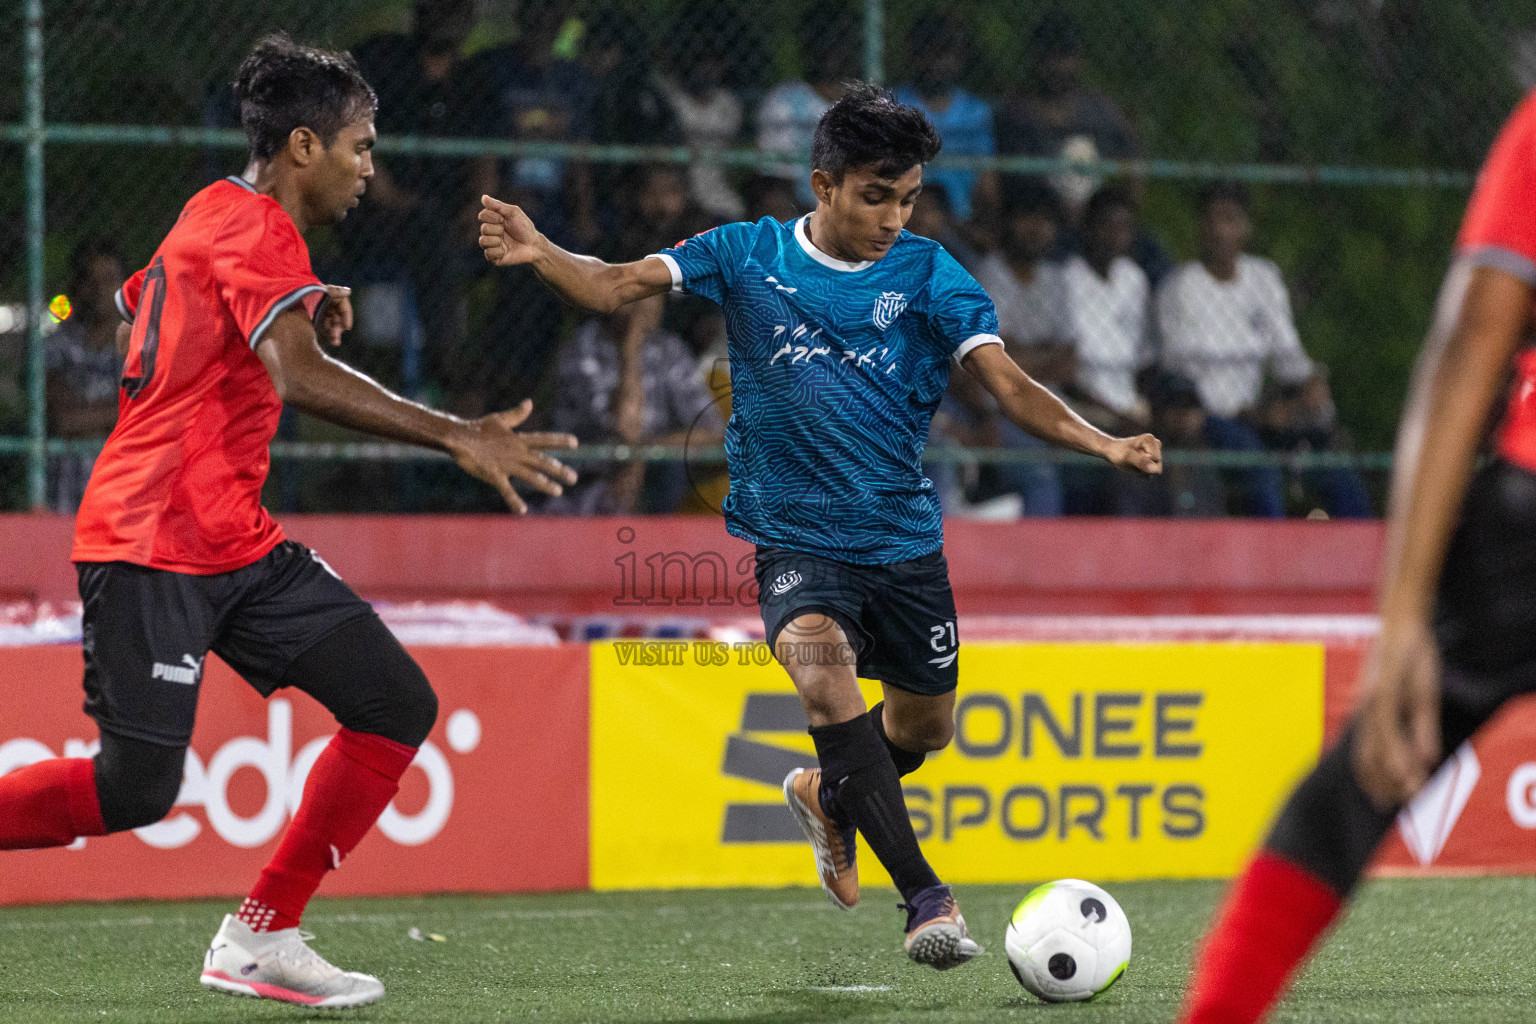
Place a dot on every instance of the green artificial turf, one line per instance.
(1437, 950)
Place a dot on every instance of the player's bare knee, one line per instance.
(922, 735)
(821, 702)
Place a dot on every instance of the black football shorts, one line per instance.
(899, 618)
(146, 633)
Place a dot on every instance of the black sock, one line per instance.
(907, 761)
(860, 785)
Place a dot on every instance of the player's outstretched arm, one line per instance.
(1033, 408)
(489, 448)
(1479, 321)
(509, 239)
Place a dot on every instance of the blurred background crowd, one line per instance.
(1226, 316)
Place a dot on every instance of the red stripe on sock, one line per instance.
(353, 780)
(1272, 917)
(50, 803)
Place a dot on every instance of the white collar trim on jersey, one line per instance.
(816, 254)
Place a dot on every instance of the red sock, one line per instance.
(1270, 921)
(353, 780)
(50, 803)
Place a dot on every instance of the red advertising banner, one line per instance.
(496, 800)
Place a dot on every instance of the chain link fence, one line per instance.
(1220, 219)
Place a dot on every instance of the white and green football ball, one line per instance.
(1068, 941)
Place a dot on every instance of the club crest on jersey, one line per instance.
(888, 307)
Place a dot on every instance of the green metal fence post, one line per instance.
(37, 423)
(874, 41)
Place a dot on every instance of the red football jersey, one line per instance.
(1499, 230)
(178, 485)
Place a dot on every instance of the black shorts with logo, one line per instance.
(900, 618)
(147, 631)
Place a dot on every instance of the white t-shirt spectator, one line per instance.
(1109, 325)
(712, 121)
(1028, 314)
(1223, 335)
(786, 122)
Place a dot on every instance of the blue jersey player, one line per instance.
(841, 328)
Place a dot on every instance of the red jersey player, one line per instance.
(1458, 619)
(176, 556)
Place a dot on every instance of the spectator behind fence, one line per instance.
(788, 115)
(627, 107)
(1178, 419)
(661, 213)
(1059, 116)
(933, 217)
(941, 51)
(1107, 295)
(418, 226)
(624, 380)
(532, 92)
(1225, 321)
(1035, 322)
(1030, 289)
(770, 196)
(1300, 418)
(84, 367)
(709, 113)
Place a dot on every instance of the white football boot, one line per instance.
(278, 965)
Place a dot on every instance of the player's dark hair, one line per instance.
(869, 128)
(282, 85)
(1109, 197)
(1222, 192)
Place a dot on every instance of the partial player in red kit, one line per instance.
(1457, 604)
(176, 556)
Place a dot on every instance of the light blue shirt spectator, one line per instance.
(966, 127)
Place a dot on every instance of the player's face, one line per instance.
(867, 212)
(341, 175)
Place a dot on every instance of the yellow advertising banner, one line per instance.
(1100, 761)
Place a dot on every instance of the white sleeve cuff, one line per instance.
(1499, 258)
(122, 306)
(974, 342)
(278, 307)
(673, 269)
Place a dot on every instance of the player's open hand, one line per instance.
(507, 236)
(336, 317)
(1142, 453)
(492, 449)
(1397, 727)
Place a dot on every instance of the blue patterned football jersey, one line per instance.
(836, 370)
